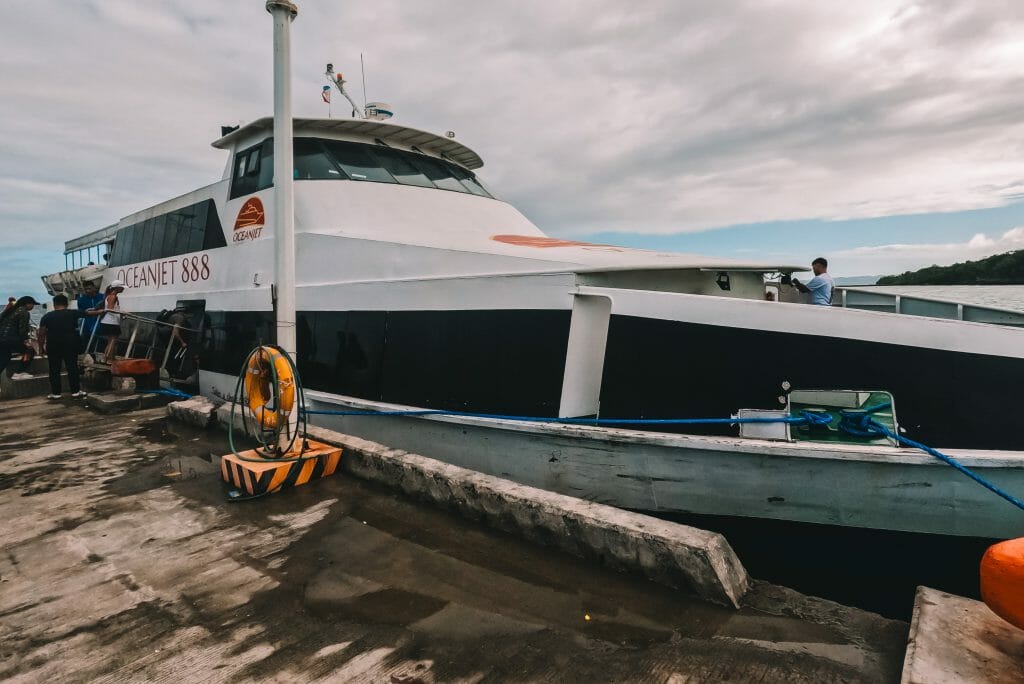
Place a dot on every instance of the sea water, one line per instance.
(999, 296)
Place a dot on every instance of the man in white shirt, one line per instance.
(820, 286)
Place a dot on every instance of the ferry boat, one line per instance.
(418, 287)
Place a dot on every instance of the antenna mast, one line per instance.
(362, 67)
(339, 81)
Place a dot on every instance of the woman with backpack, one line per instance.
(14, 329)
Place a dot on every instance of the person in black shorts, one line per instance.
(59, 340)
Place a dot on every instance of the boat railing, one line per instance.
(145, 341)
(869, 299)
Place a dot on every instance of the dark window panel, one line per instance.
(438, 173)
(355, 160)
(197, 226)
(399, 166)
(266, 178)
(214, 235)
(468, 179)
(312, 163)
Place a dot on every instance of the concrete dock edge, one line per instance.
(668, 553)
(671, 554)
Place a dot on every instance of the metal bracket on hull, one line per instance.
(584, 359)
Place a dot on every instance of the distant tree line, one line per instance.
(1001, 269)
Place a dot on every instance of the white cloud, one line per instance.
(897, 258)
(592, 116)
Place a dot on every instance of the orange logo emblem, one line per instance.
(250, 221)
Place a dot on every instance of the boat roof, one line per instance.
(403, 135)
(93, 239)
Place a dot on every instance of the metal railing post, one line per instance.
(170, 343)
(131, 342)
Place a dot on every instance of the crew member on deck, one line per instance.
(820, 286)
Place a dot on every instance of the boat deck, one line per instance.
(128, 563)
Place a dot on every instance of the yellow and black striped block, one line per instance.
(262, 477)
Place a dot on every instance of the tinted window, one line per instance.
(246, 175)
(399, 166)
(196, 216)
(214, 234)
(144, 245)
(189, 229)
(355, 160)
(311, 161)
(170, 235)
(439, 174)
(266, 177)
(468, 179)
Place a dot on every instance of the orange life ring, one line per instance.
(258, 392)
(1002, 580)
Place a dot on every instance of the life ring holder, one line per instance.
(267, 393)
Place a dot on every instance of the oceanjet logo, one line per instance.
(250, 221)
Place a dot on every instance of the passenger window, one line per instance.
(356, 162)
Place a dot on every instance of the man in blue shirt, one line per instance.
(92, 299)
(820, 286)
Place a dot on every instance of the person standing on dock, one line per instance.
(14, 329)
(59, 340)
(110, 323)
(820, 286)
(91, 299)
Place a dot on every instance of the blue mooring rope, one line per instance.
(806, 418)
(168, 392)
(859, 423)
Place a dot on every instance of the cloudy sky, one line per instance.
(886, 135)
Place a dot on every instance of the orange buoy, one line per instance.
(258, 376)
(1002, 580)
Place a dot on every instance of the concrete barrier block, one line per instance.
(675, 555)
(123, 385)
(198, 411)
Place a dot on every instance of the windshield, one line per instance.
(321, 159)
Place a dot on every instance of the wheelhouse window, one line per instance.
(358, 162)
(252, 169)
(320, 159)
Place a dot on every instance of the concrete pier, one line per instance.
(675, 555)
(956, 639)
(122, 560)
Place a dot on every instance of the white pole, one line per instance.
(283, 13)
